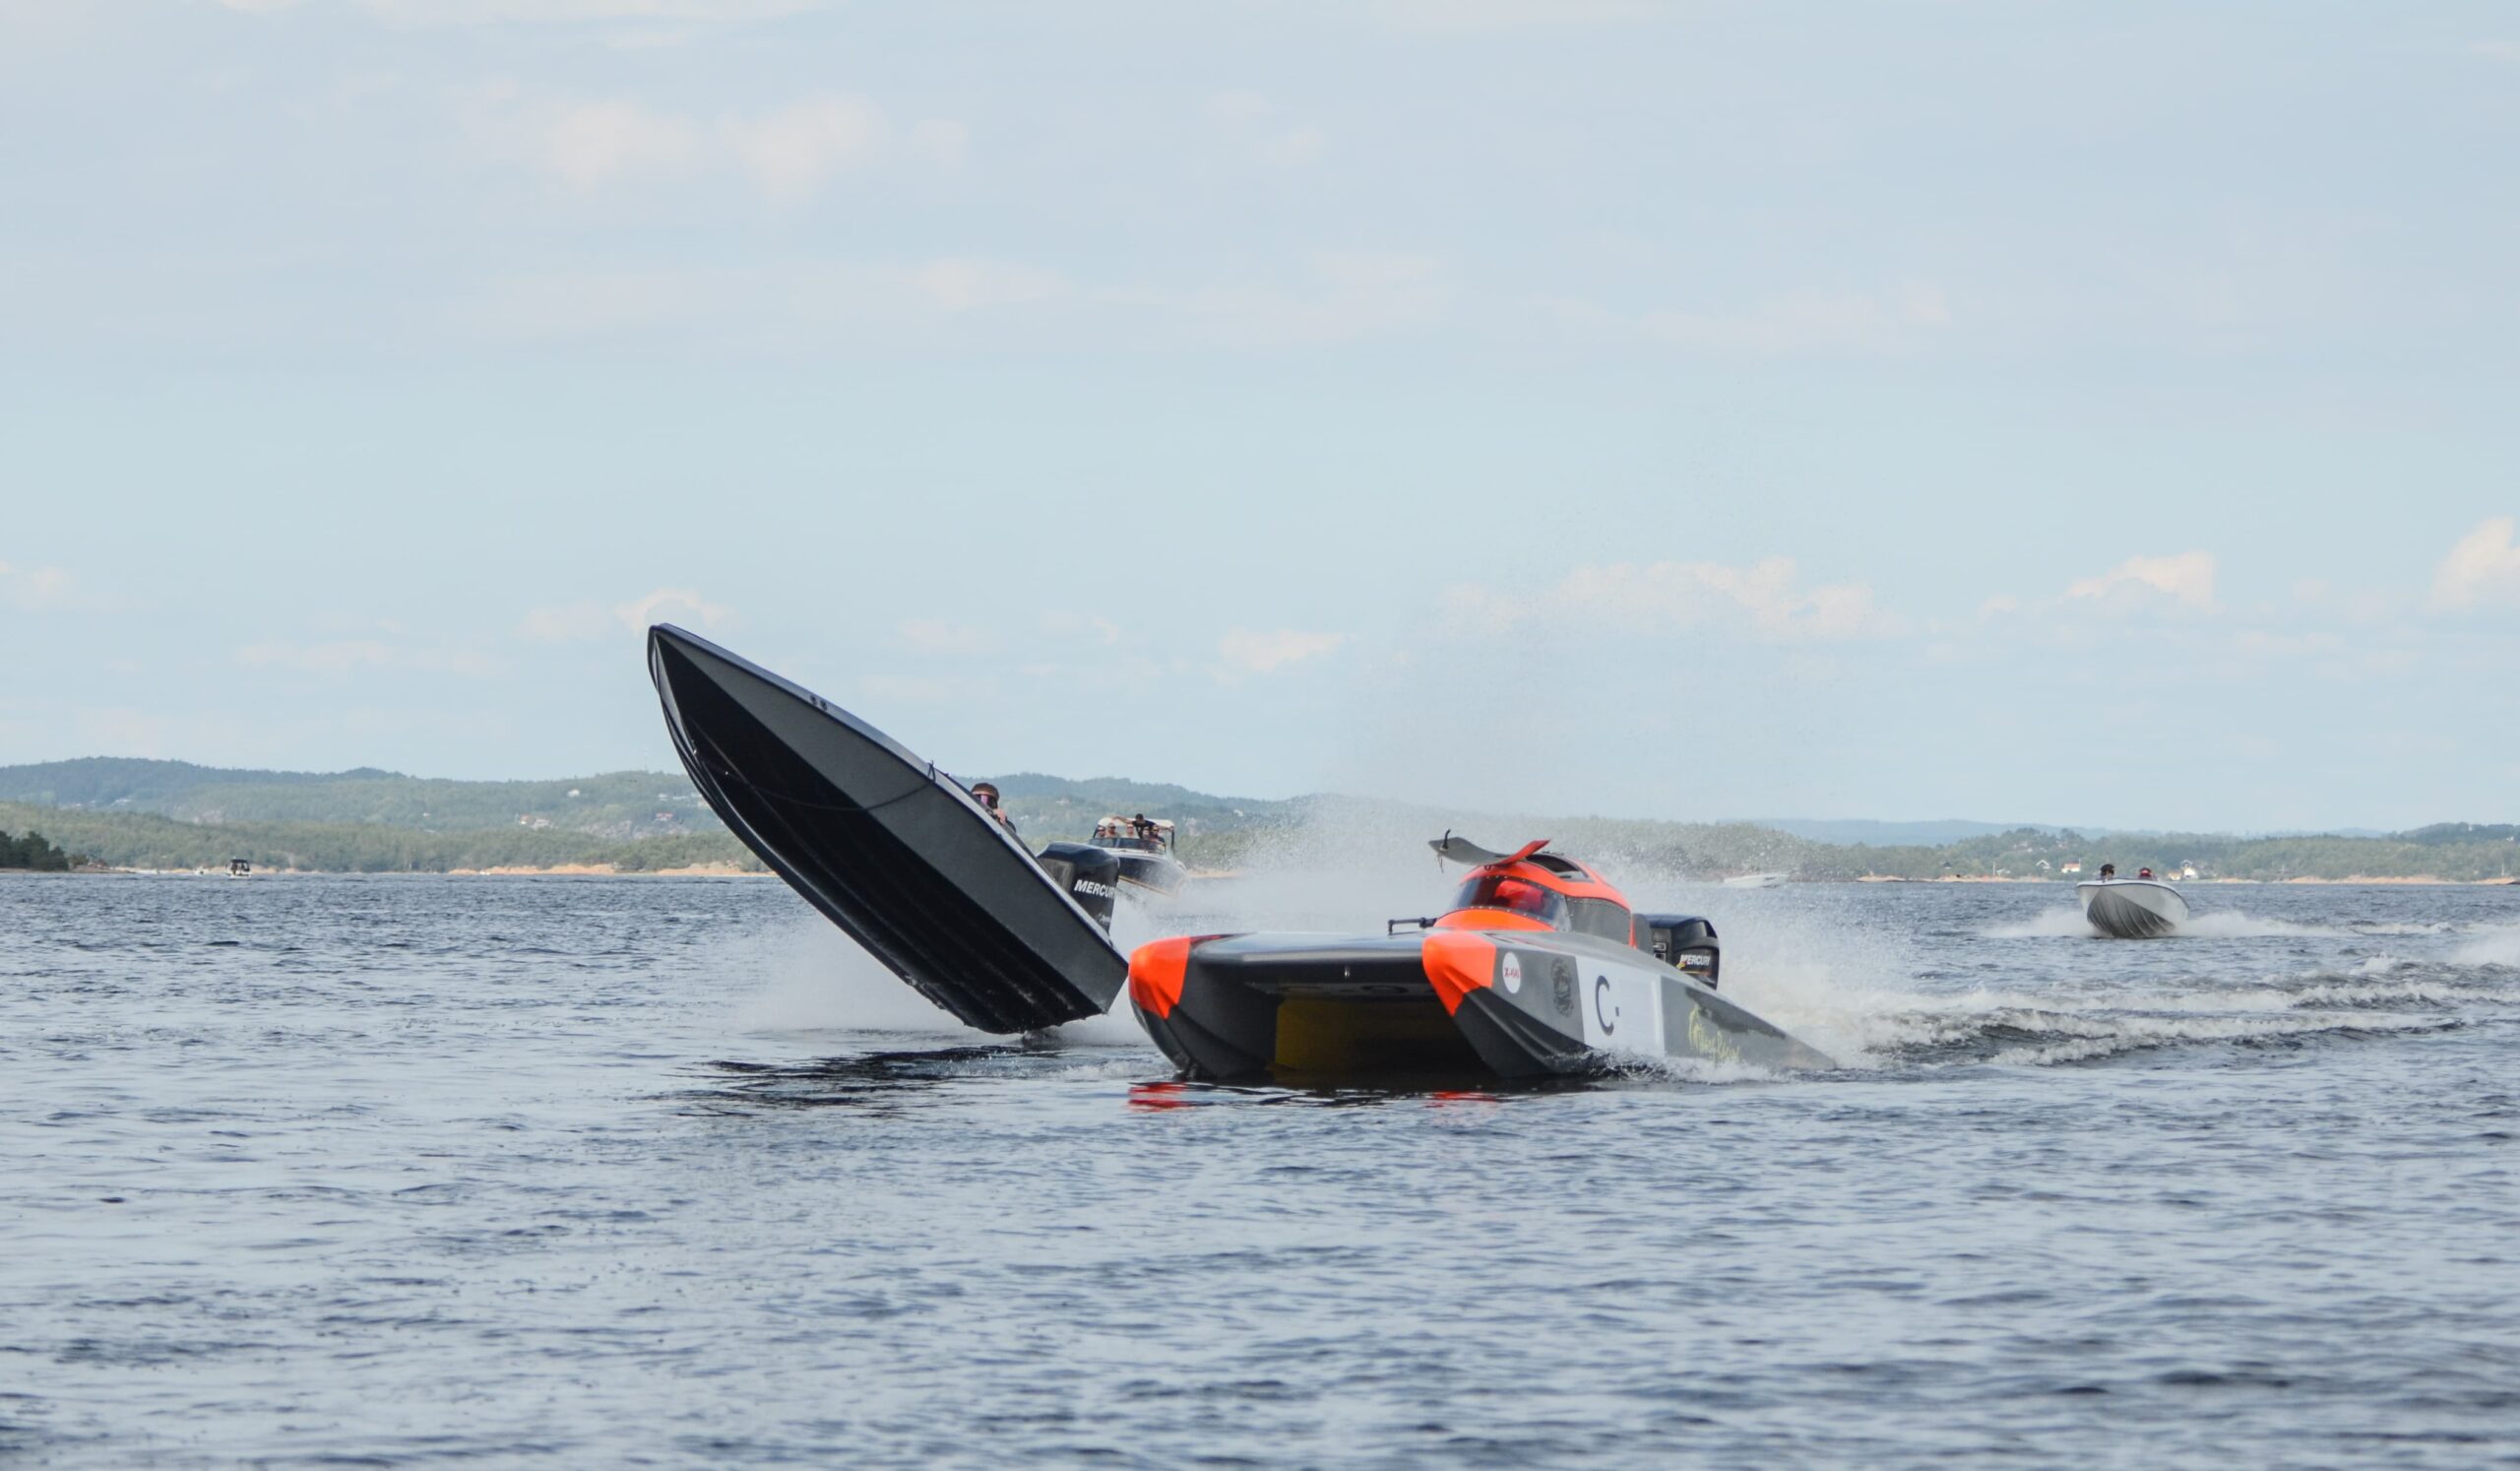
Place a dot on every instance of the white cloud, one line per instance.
(593, 144)
(588, 618)
(669, 603)
(2485, 567)
(565, 624)
(781, 307)
(1641, 597)
(36, 589)
(1264, 652)
(787, 153)
(937, 638)
(2186, 579)
(964, 285)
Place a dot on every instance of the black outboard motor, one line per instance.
(1091, 876)
(1684, 943)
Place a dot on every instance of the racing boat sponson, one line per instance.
(891, 850)
(1540, 968)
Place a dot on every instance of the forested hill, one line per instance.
(174, 813)
(1049, 807)
(616, 806)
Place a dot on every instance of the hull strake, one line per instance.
(902, 860)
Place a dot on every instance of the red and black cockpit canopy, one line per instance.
(1532, 888)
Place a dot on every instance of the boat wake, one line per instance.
(2492, 945)
(1892, 1031)
(1881, 1006)
(1878, 999)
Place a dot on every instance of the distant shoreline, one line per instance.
(731, 870)
(557, 871)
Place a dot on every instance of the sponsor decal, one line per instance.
(1708, 1039)
(1513, 974)
(1605, 1009)
(1097, 890)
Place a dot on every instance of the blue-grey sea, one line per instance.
(406, 1171)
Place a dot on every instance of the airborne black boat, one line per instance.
(892, 850)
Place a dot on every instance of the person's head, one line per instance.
(2108, 870)
(2143, 873)
(986, 792)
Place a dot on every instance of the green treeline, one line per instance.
(614, 805)
(1714, 850)
(170, 814)
(141, 840)
(33, 851)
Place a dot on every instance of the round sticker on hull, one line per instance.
(1513, 973)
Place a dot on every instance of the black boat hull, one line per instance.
(889, 849)
(1507, 1004)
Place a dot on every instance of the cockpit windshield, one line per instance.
(1137, 834)
(1520, 895)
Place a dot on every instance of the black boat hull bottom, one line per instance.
(890, 850)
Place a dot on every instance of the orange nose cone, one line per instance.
(1457, 964)
(1155, 972)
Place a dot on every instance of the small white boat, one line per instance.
(2132, 908)
(1756, 881)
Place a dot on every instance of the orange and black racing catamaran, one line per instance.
(1540, 968)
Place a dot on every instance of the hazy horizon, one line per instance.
(1790, 821)
(1610, 408)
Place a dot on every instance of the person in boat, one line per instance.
(2108, 870)
(2143, 873)
(986, 794)
(1141, 829)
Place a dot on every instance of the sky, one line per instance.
(2103, 413)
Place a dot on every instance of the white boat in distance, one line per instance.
(2132, 908)
(1756, 881)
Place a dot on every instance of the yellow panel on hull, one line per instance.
(1322, 1035)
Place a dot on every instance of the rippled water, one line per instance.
(596, 1171)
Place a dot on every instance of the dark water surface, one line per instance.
(391, 1170)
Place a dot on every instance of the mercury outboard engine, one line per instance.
(1684, 943)
(1091, 876)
